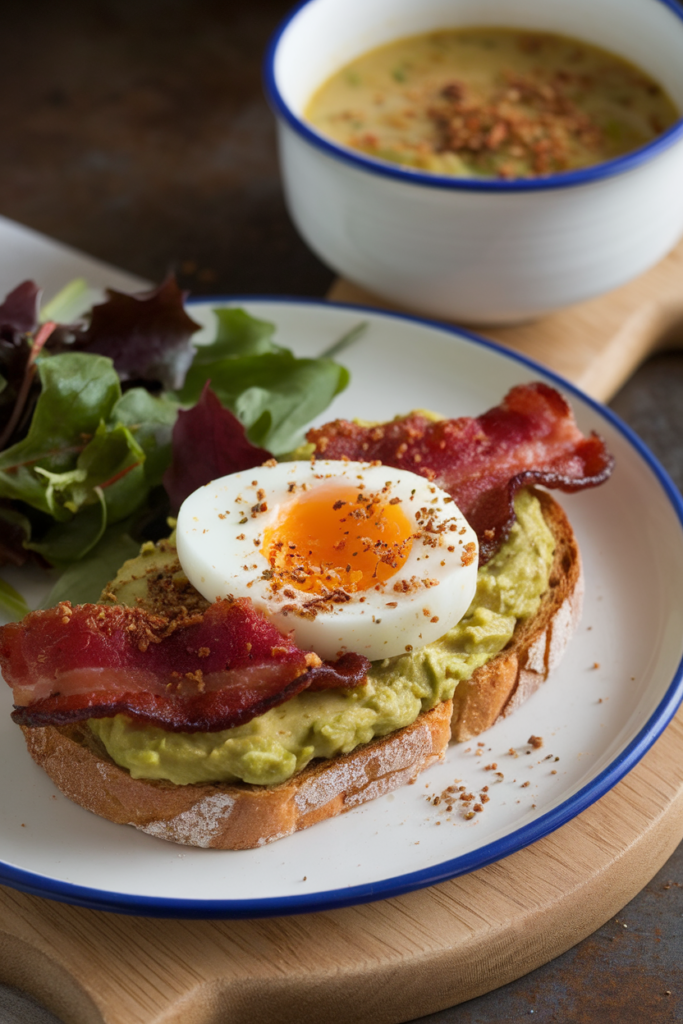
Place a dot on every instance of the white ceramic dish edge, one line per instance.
(631, 741)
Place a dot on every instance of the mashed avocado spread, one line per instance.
(274, 746)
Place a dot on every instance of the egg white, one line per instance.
(220, 534)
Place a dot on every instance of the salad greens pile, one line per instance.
(96, 415)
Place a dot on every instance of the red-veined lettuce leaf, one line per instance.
(208, 442)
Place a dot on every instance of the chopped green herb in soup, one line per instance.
(491, 102)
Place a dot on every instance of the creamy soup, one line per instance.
(491, 102)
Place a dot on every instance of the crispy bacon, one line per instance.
(530, 438)
(208, 672)
(348, 671)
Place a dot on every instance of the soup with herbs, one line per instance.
(496, 103)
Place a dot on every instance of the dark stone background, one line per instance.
(136, 130)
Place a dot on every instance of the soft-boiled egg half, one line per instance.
(343, 556)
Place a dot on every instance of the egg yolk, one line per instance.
(337, 537)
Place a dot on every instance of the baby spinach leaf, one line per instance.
(271, 391)
(237, 334)
(71, 541)
(110, 464)
(87, 456)
(69, 304)
(82, 582)
(274, 394)
(78, 391)
(12, 604)
(150, 421)
(87, 446)
(107, 484)
(126, 493)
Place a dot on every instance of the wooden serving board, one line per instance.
(381, 962)
(597, 344)
(402, 958)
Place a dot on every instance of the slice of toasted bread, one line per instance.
(237, 816)
(240, 816)
(537, 645)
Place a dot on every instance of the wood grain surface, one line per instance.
(397, 959)
(597, 344)
(381, 963)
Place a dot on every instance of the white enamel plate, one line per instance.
(616, 690)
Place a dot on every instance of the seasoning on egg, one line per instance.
(334, 541)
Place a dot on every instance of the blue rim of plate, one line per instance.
(154, 906)
(596, 172)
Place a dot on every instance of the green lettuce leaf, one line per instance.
(70, 303)
(150, 421)
(271, 391)
(91, 455)
(237, 334)
(105, 462)
(12, 604)
(68, 542)
(82, 582)
(78, 392)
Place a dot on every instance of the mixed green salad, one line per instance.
(108, 422)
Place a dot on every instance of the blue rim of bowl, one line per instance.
(566, 179)
(518, 839)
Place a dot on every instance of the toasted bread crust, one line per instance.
(239, 816)
(537, 645)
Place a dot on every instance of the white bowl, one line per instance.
(483, 251)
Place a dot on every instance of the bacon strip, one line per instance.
(205, 673)
(348, 671)
(530, 438)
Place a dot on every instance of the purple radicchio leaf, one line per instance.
(146, 335)
(208, 442)
(19, 311)
(18, 318)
